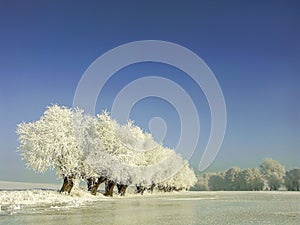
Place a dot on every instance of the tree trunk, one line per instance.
(67, 185)
(152, 187)
(90, 182)
(122, 189)
(93, 184)
(109, 188)
(161, 188)
(140, 189)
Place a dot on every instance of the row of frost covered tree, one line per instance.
(271, 175)
(98, 149)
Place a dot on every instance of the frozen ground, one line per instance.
(47, 206)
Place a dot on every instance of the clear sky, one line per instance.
(253, 48)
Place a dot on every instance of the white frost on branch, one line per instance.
(82, 146)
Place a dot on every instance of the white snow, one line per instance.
(16, 196)
(31, 206)
(37, 197)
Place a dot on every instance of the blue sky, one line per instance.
(253, 48)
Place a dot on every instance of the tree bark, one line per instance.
(67, 185)
(90, 182)
(161, 188)
(140, 189)
(152, 187)
(94, 183)
(109, 188)
(122, 189)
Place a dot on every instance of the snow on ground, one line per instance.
(29, 204)
(249, 208)
(15, 195)
(38, 197)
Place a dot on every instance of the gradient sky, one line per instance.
(253, 48)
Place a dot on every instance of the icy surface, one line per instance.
(36, 206)
(9, 185)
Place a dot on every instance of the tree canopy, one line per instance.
(79, 146)
(273, 172)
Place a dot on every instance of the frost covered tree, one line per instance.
(184, 179)
(117, 152)
(273, 172)
(100, 141)
(250, 180)
(163, 165)
(231, 179)
(216, 182)
(98, 149)
(202, 182)
(54, 141)
(292, 180)
(126, 155)
(93, 144)
(236, 179)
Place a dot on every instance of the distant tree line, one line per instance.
(271, 175)
(98, 149)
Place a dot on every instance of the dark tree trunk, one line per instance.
(93, 184)
(140, 189)
(164, 188)
(67, 185)
(90, 182)
(151, 188)
(122, 189)
(168, 189)
(161, 188)
(109, 188)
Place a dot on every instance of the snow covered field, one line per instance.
(29, 204)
